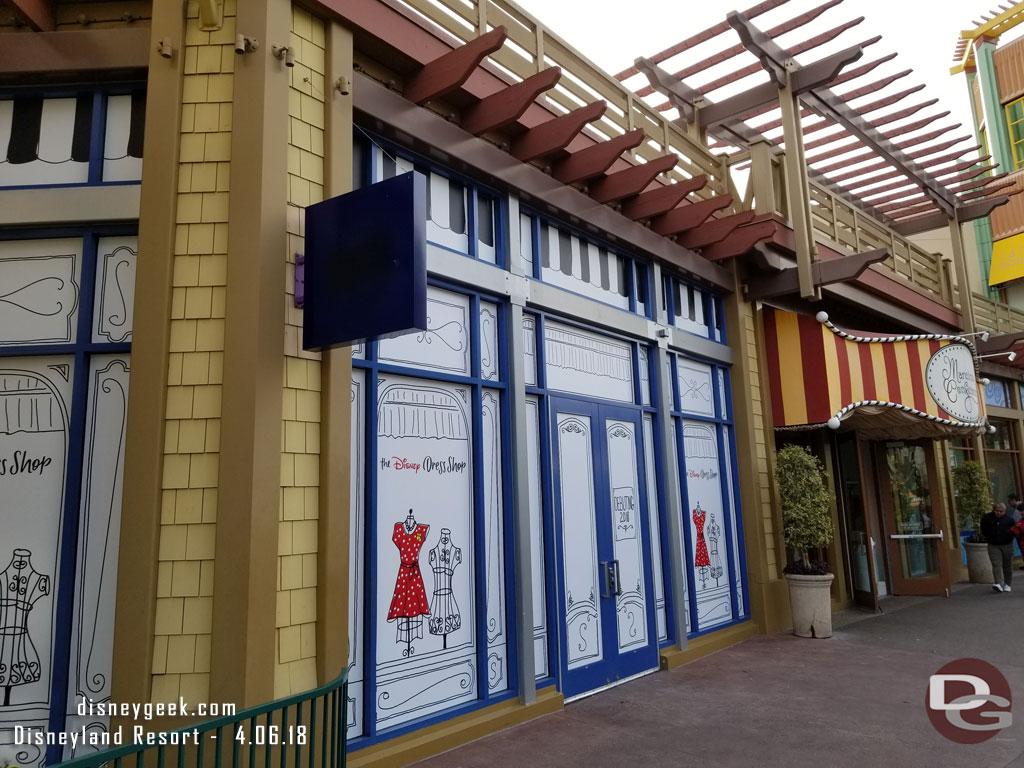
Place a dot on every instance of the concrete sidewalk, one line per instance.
(853, 700)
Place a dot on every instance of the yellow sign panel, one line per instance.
(1007, 260)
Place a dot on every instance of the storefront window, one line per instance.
(1001, 457)
(997, 393)
(960, 450)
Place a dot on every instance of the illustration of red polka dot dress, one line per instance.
(410, 598)
(702, 559)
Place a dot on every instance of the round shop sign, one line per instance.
(953, 383)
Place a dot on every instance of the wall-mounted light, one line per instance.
(164, 48)
(1010, 356)
(284, 53)
(343, 85)
(245, 44)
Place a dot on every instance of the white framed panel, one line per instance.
(35, 396)
(40, 282)
(657, 567)
(92, 630)
(539, 595)
(530, 349)
(586, 363)
(37, 139)
(696, 387)
(119, 164)
(494, 536)
(576, 265)
(579, 540)
(705, 517)
(357, 559)
(444, 346)
(426, 641)
(489, 361)
(116, 259)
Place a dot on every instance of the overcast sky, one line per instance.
(613, 33)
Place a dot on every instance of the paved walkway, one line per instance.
(856, 699)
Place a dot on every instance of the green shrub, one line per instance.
(973, 492)
(806, 496)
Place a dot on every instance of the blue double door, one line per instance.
(606, 601)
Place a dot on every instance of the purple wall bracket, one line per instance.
(300, 280)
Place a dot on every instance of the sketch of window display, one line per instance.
(444, 610)
(689, 303)
(539, 597)
(702, 471)
(409, 601)
(33, 450)
(570, 262)
(115, 289)
(530, 349)
(579, 541)
(660, 609)
(444, 346)
(695, 387)
(714, 533)
(585, 363)
(122, 145)
(497, 675)
(39, 290)
(424, 456)
(488, 340)
(21, 586)
(627, 545)
(526, 244)
(357, 544)
(92, 638)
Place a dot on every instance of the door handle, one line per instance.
(608, 582)
(617, 578)
(940, 536)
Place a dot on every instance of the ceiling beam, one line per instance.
(714, 230)
(593, 161)
(939, 219)
(839, 270)
(631, 181)
(507, 105)
(38, 14)
(556, 133)
(655, 202)
(740, 241)
(689, 215)
(450, 70)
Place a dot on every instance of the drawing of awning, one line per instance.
(886, 387)
(427, 412)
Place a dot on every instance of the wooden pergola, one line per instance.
(856, 134)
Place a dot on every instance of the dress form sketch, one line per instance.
(409, 601)
(714, 534)
(20, 587)
(701, 560)
(444, 611)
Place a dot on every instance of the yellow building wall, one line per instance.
(188, 515)
(295, 670)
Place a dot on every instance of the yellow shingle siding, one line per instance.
(181, 661)
(300, 404)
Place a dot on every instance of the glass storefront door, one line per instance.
(913, 519)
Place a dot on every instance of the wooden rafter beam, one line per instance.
(507, 105)
(40, 15)
(777, 61)
(689, 215)
(828, 272)
(740, 241)
(655, 202)
(964, 213)
(555, 134)
(866, 154)
(593, 161)
(714, 230)
(450, 70)
(631, 181)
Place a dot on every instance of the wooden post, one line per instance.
(799, 192)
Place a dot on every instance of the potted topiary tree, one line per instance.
(973, 492)
(806, 497)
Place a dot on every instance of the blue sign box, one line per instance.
(366, 264)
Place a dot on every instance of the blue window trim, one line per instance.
(536, 218)
(730, 501)
(101, 93)
(366, 142)
(82, 352)
(373, 369)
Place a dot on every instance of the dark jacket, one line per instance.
(996, 530)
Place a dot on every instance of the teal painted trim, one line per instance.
(264, 730)
(995, 116)
(983, 237)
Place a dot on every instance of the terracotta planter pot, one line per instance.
(979, 567)
(810, 599)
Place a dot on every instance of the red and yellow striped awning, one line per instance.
(818, 373)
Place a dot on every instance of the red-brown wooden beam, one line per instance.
(450, 70)
(655, 202)
(689, 215)
(507, 105)
(38, 14)
(714, 230)
(740, 241)
(555, 134)
(593, 161)
(631, 181)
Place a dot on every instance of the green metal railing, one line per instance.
(307, 730)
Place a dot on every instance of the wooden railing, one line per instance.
(996, 317)
(843, 223)
(531, 47)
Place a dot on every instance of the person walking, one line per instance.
(1013, 507)
(997, 529)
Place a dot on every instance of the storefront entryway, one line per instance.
(604, 579)
(913, 517)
